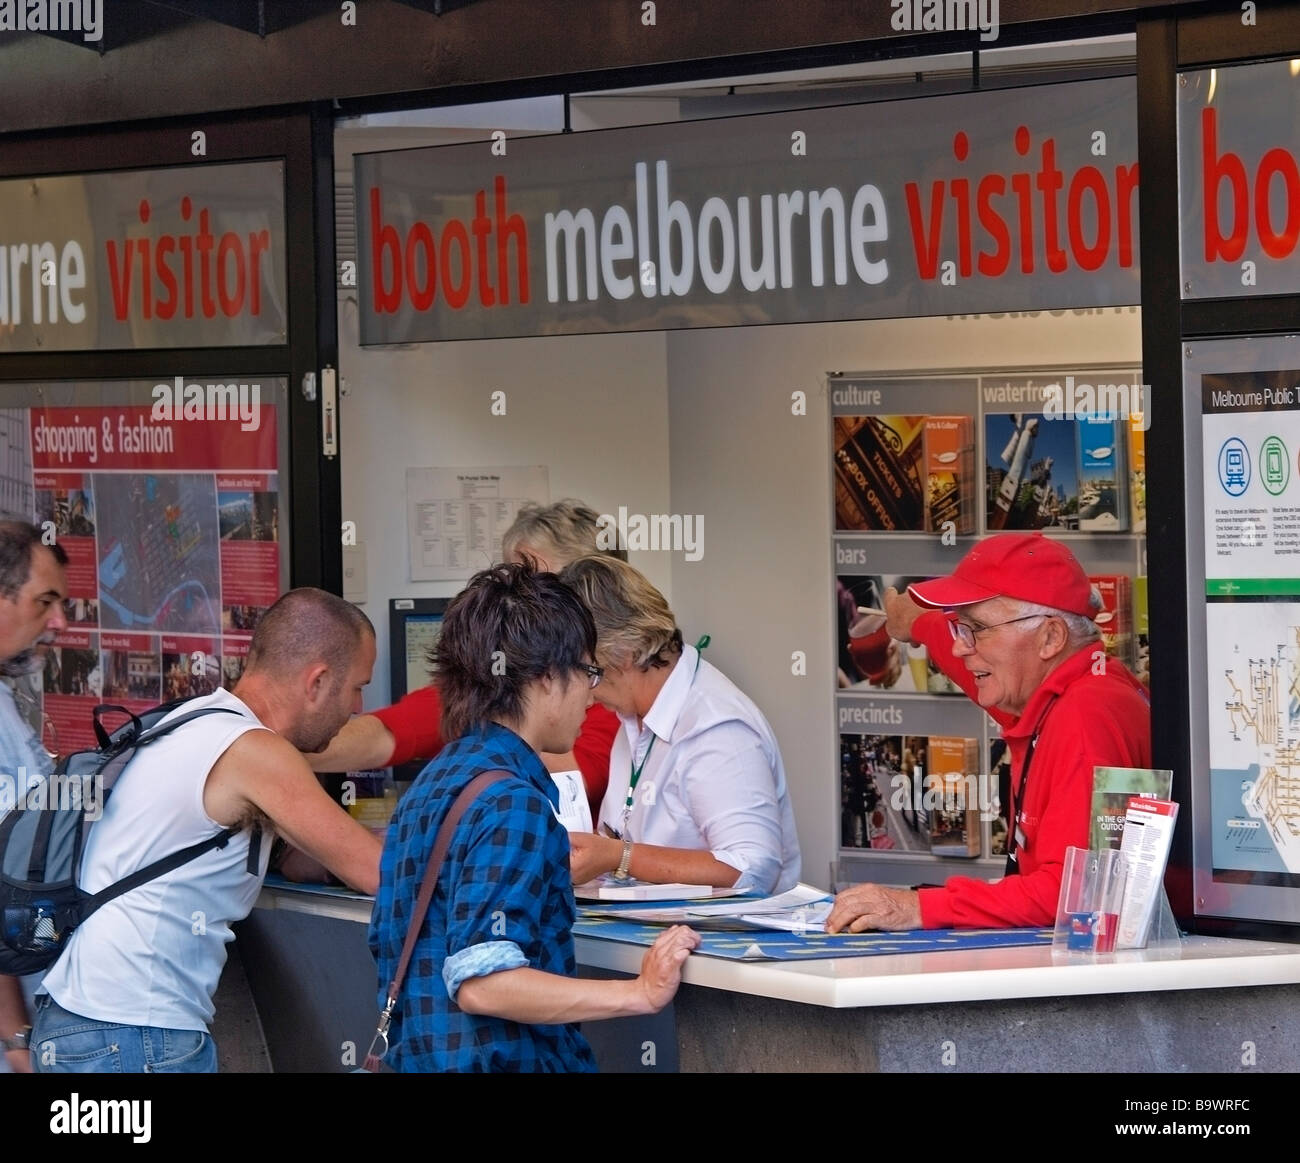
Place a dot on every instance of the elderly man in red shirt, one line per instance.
(1013, 626)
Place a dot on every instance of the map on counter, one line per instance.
(1254, 671)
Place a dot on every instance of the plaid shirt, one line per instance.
(504, 900)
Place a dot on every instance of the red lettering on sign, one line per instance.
(456, 293)
(1213, 170)
(1278, 240)
(410, 269)
(1098, 212)
(1089, 180)
(236, 281)
(1277, 244)
(927, 260)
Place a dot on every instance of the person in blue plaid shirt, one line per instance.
(490, 986)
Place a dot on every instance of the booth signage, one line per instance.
(940, 205)
(192, 256)
(1239, 180)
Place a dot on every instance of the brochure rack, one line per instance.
(924, 466)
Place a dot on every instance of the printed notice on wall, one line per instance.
(1251, 427)
(457, 516)
(170, 514)
(1251, 436)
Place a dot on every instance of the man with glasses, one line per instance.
(1014, 627)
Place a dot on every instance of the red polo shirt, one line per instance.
(1089, 712)
(414, 723)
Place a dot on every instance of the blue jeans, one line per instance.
(66, 1043)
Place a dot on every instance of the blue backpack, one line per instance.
(43, 836)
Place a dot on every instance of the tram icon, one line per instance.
(1235, 469)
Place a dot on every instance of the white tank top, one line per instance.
(153, 956)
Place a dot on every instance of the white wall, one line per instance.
(761, 478)
(593, 409)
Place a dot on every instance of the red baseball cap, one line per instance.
(1026, 566)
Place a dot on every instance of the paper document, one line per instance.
(607, 888)
(800, 919)
(802, 909)
(1148, 836)
(574, 812)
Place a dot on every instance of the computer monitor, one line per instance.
(413, 626)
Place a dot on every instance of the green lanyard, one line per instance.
(637, 769)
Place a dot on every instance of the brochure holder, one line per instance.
(1092, 891)
(1163, 938)
(1089, 910)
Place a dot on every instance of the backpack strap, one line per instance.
(165, 728)
(108, 776)
(484, 779)
(157, 868)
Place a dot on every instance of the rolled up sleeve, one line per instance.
(479, 961)
(496, 893)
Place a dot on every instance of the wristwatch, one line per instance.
(20, 1041)
(622, 873)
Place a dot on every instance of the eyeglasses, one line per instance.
(966, 634)
(595, 673)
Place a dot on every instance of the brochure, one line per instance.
(574, 812)
(1103, 480)
(879, 474)
(1115, 618)
(1112, 788)
(1148, 835)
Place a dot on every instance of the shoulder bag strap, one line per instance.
(440, 845)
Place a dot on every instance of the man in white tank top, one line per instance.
(32, 588)
(133, 990)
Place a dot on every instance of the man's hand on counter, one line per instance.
(296, 866)
(873, 906)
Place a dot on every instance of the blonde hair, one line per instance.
(562, 532)
(634, 624)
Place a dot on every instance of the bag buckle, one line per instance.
(379, 1043)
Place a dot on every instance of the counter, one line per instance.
(1219, 1006)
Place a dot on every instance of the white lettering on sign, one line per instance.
(44, 301)
(714, 243)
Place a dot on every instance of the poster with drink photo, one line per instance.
(867, 658)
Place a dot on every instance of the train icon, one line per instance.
(1234, 466)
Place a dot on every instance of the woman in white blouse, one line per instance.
(697, 791)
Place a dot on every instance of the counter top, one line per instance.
(976, 974)
(340, 904)
(912, 978)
